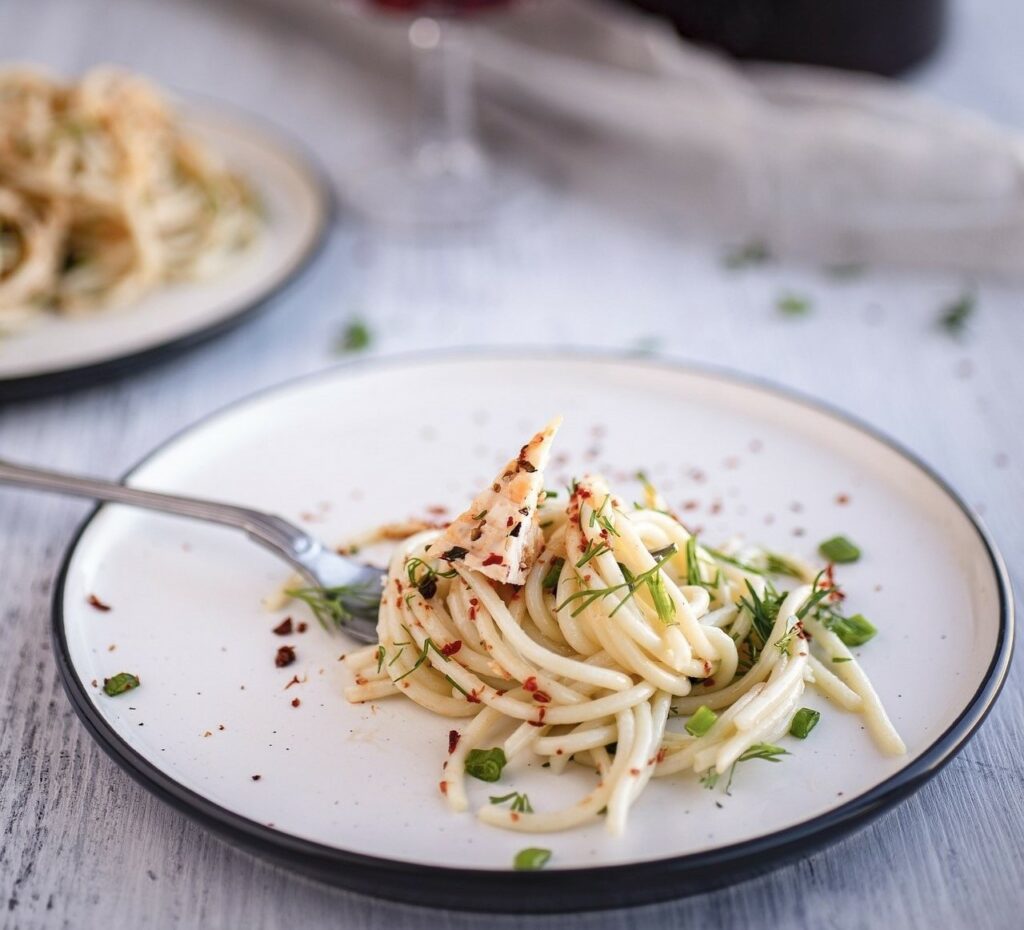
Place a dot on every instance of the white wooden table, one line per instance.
(82, 846)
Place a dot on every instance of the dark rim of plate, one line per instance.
(555, 890)
(60, 380)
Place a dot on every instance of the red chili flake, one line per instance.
(473, 697)
(472, 613)
(513, 817)
(660, 757)
(541, 697)
(707, 667)
(697, 475)
(284, 628)
(509, 522)
(96, 603)
(493, 559)
(256, 777)
(302, 627)
(453, 740)
(285, 656)
(634, 771)
(583, 492)
(449, 649)
(437, 510)
(296, 702)
(220, 726)
(708, 682)
(691, 505)
(443, 786)
(842, 499)
(295, 681)
(530, 684)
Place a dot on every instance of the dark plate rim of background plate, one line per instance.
(60, 380)
(556, 890)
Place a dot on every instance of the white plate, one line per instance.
(349, 793)
(58, 352)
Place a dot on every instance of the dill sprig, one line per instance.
(763, 611)
(338, 605)
(520, 802)
(693, 576)
(767, 752)
(428, 644)
(586, 596)
(592, 551)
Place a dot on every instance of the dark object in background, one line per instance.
(883, 36)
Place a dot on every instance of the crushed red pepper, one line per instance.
(284, 628)
(97, 604)
(285, 656)
(453, 740)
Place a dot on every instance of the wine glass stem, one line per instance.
(446, 132)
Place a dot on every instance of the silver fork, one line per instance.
(353, 587)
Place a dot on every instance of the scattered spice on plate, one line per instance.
(302, 626)
(121, 682)
(296, 702)
(284, 628)
(285, 656)
(255, 777)
(97, 604)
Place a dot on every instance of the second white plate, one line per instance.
(60, 352)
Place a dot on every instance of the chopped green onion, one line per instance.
(842, 659)
(121, 682)
(852, 631)
(804, 721)
(486, 764)
(702, 721)
(955, 316)
(531, 859)
(355, 337)
(839, 549)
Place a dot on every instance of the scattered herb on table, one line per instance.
(520, 802)
(121, 682)
(956, 315)
(355, 337)
(793, 305)
(755, 252)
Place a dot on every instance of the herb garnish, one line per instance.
(852, 631)
(703, 720)
(592, 552)
(793, 305)
(765, 751)
(428, 644)
(692, 563)
(955, 316)
(804, 720)
(335, 605)
(754, 252)
(551, 576)
(355, 337)
(840, 550)
(486, 764)
(632, 583)
(520, 802)
(121, 682)
(531, 859)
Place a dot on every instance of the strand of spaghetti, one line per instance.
(552, 662)
(879, 724)
(576, 741)
(622, 791)
(833, 687)
(586, 809)
(453, 783)
(660, 707)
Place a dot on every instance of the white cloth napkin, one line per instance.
(818, 164)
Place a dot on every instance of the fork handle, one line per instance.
(272, 532)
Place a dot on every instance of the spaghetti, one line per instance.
(623, 622)
(103, 196)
